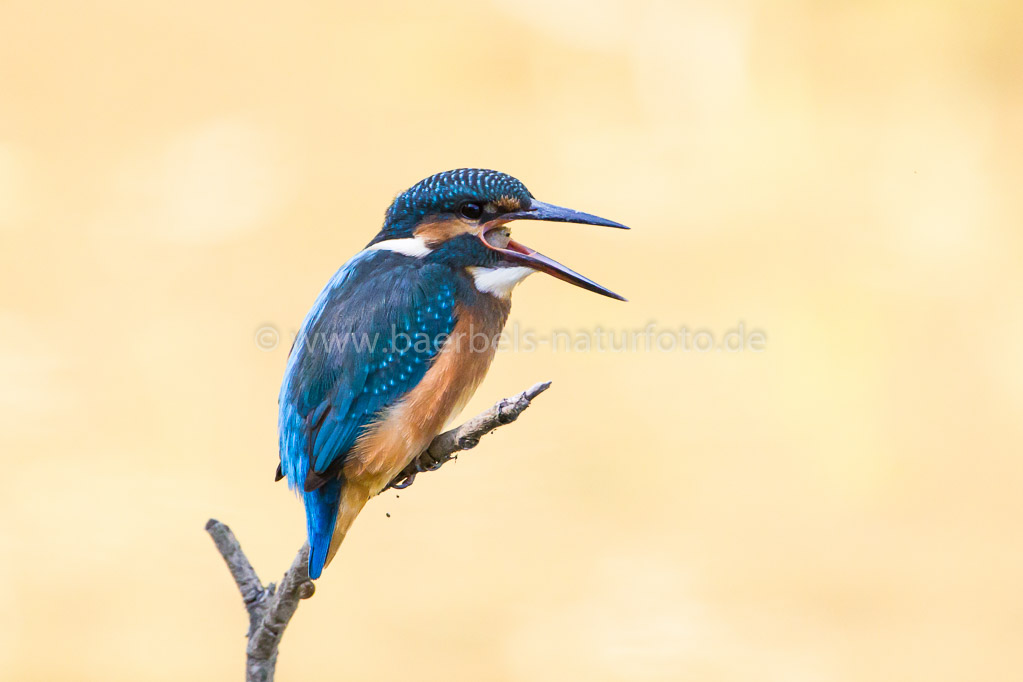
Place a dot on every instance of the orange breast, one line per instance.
(407, 427)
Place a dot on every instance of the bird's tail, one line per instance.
(330, 511)
(321, 507)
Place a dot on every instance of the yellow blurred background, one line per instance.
(844, 177)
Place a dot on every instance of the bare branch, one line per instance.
(241, 571)
(270, 608)
(295, 586)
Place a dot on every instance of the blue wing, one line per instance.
(368, 340)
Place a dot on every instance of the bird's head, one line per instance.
(461, 217)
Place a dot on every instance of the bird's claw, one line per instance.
(432, 466)
(417, 467)
(405, 482)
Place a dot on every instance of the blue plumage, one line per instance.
(378, 326)
(367, 341)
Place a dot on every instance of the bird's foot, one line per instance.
(424, 462)
(404, 482)
(427, 462)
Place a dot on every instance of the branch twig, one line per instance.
(270, 608)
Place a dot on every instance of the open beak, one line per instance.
(539, 210)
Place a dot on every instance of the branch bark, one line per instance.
(271, 608)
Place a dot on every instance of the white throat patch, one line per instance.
(499, 281)
(410, 246)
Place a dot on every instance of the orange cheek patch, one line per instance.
(436, 232)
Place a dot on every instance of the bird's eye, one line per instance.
(470, 210)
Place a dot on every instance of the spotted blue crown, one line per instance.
(443, 192)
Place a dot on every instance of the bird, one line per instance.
(386, 355)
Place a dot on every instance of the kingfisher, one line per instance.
(400, 338)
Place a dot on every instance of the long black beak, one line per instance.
(539, 210)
